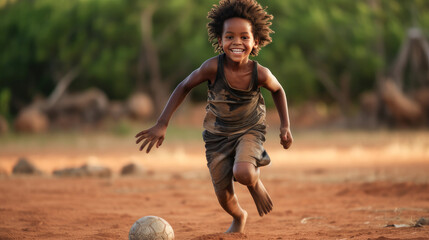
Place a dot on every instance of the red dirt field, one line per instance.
(329, 185)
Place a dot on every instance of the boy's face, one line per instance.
(237, 39)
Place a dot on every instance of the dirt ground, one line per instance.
(329, 185)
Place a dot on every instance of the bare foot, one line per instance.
(262, 199)
(238, 224)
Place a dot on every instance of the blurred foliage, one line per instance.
(42, 40)
(337, 37)
(4, 102)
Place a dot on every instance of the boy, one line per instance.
(235, 113)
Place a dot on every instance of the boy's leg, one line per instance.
(249, 156)
(220, 160)
(247, 174)
(229, 202)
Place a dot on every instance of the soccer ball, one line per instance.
(151, 228)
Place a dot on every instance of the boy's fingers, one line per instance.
(141, 133)
(159, 143)
(144, 144)
(150, 146)
(139, 140)
(151, 141)
(286, 143)
(283, 137)
(286, 146)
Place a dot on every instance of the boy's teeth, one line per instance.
(237, 50)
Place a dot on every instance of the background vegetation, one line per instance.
(322, 50)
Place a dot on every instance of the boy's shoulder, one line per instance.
(210, 65)
(209, 69)
(263, 73)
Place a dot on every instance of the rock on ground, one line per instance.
(24, 166)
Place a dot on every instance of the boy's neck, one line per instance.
(235, 66)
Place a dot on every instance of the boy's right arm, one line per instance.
(269, 81)
(156, 134)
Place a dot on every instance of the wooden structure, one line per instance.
(404, 94)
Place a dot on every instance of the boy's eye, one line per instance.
(244, 37)
(229, 37)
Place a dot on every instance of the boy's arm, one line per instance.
(156, 134)
(269, 81)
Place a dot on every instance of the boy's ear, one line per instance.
(219, 40)
(256, 44)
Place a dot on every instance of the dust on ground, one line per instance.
(329, 185)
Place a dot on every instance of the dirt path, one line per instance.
(320, 191)
(48, 208)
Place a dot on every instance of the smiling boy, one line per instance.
(235, 114)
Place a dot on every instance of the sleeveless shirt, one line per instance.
(233, 111)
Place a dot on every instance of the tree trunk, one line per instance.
(158, 90)
(61, 87)
(380, 51)
(141, 72)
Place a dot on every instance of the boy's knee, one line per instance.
(245, 173)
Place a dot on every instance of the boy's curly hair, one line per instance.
(247, 9)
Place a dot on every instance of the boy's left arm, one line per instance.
(269, 81)
(280, 101)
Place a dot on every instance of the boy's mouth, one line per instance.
(237, 50)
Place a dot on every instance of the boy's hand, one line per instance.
(151, 136)
(286, 138)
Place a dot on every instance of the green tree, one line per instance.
(321, 49)
(334, 49)
(45, 40)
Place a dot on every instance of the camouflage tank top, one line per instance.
(232, 111)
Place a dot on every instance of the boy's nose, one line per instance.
(236, 41)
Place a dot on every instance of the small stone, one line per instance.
(96, 171)
(23, 166)
(86, 170)
(133, 169)
(422, 221)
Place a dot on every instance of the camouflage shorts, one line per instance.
(222, 152)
